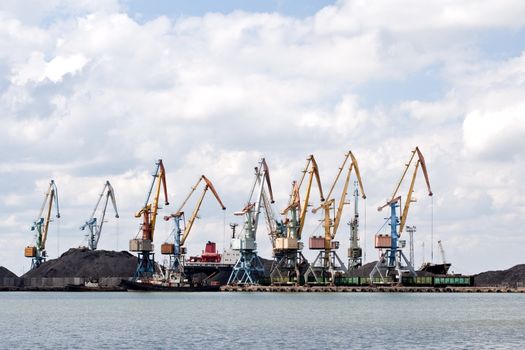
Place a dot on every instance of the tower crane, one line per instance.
(41, 226)
(95, 229)
(393, 260)
(144, 245)
(181, 229)
(287, 246)
(248, 267)
(355, 253)
(327, 262)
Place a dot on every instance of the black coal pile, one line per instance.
(513, 277)
(82, 262)
(6, 273)
(267, 264)
(363, 271)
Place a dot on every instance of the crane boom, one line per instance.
(442, 251)
(149, 211)
(409, 200)
(331, 226)
(209, 186)
(94, 228)
(314, 172)
(312, 169)
(263, 178)
(41, 225)
(51, 196)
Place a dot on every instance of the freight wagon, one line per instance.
(423, 281)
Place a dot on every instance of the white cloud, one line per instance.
(93, 95)
(498, 132)
(36, 69)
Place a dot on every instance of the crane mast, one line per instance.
(355, 253)
(38, 252)
(327, 263)
(442, 251)
(182, 229)
(94, 225)
(248, 267)
(289, 263)
(393, 261)
(144, 245)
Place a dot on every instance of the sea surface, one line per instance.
(138, 320)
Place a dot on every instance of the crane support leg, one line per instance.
(248, 269)
(322, 273)
(145, 266)
(288, 268)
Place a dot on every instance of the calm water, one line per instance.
(261, 321)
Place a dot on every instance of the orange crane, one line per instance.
(144, 245)
(181, 229)
(393, 260)
(328, 264)
(287, 246)
(41, 226)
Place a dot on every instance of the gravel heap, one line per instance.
(363, 271)
(6, 273)
(82, 262)
(510, 277)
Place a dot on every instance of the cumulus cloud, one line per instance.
(498, 133)
(88, 94)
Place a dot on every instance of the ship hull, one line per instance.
(151, 287)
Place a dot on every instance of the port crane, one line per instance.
(144, 245)
(249, 267)
(355, 253)
(393, 260)
(95, 226)
(289, 263)
(181, 230)
(327, 263)
(38, 252)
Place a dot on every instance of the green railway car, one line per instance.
(453, 281)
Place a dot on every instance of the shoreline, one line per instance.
(299, 289)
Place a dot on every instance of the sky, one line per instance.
(99, 90)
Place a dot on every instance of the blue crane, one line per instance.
(94, 225)
(393, 261)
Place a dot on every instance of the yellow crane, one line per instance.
(325, 266)
(41, 226)
(393, 260)
(288, 258)
(176, 250)
(144, 245)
